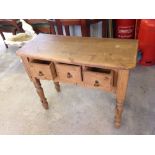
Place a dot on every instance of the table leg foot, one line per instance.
(118, 115)
(45, 105)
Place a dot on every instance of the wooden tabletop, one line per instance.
(107, 52)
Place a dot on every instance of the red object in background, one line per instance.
(125, 28)
(146, 40)
(137, 28)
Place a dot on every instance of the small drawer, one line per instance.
(99, 78)
(68, 73)
(42, 69)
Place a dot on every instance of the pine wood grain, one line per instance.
(112, 53)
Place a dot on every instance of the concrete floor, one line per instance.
(76, 110)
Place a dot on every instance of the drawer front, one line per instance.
(42, 71)
(98, 80)
(68, 73)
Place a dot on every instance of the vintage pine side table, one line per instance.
(91, 62)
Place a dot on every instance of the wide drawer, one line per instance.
(99, 78)
(42, 69)
(68, 73)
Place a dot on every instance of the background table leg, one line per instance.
(57, 86)
(122, 83)
(40, 92)
(3, 37)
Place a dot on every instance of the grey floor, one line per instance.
(76, 110)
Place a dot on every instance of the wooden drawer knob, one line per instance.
(96, 84)
(69, 75)
(41, 73)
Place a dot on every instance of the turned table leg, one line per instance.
(122, 83)
(40, 92)
(57, 86)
